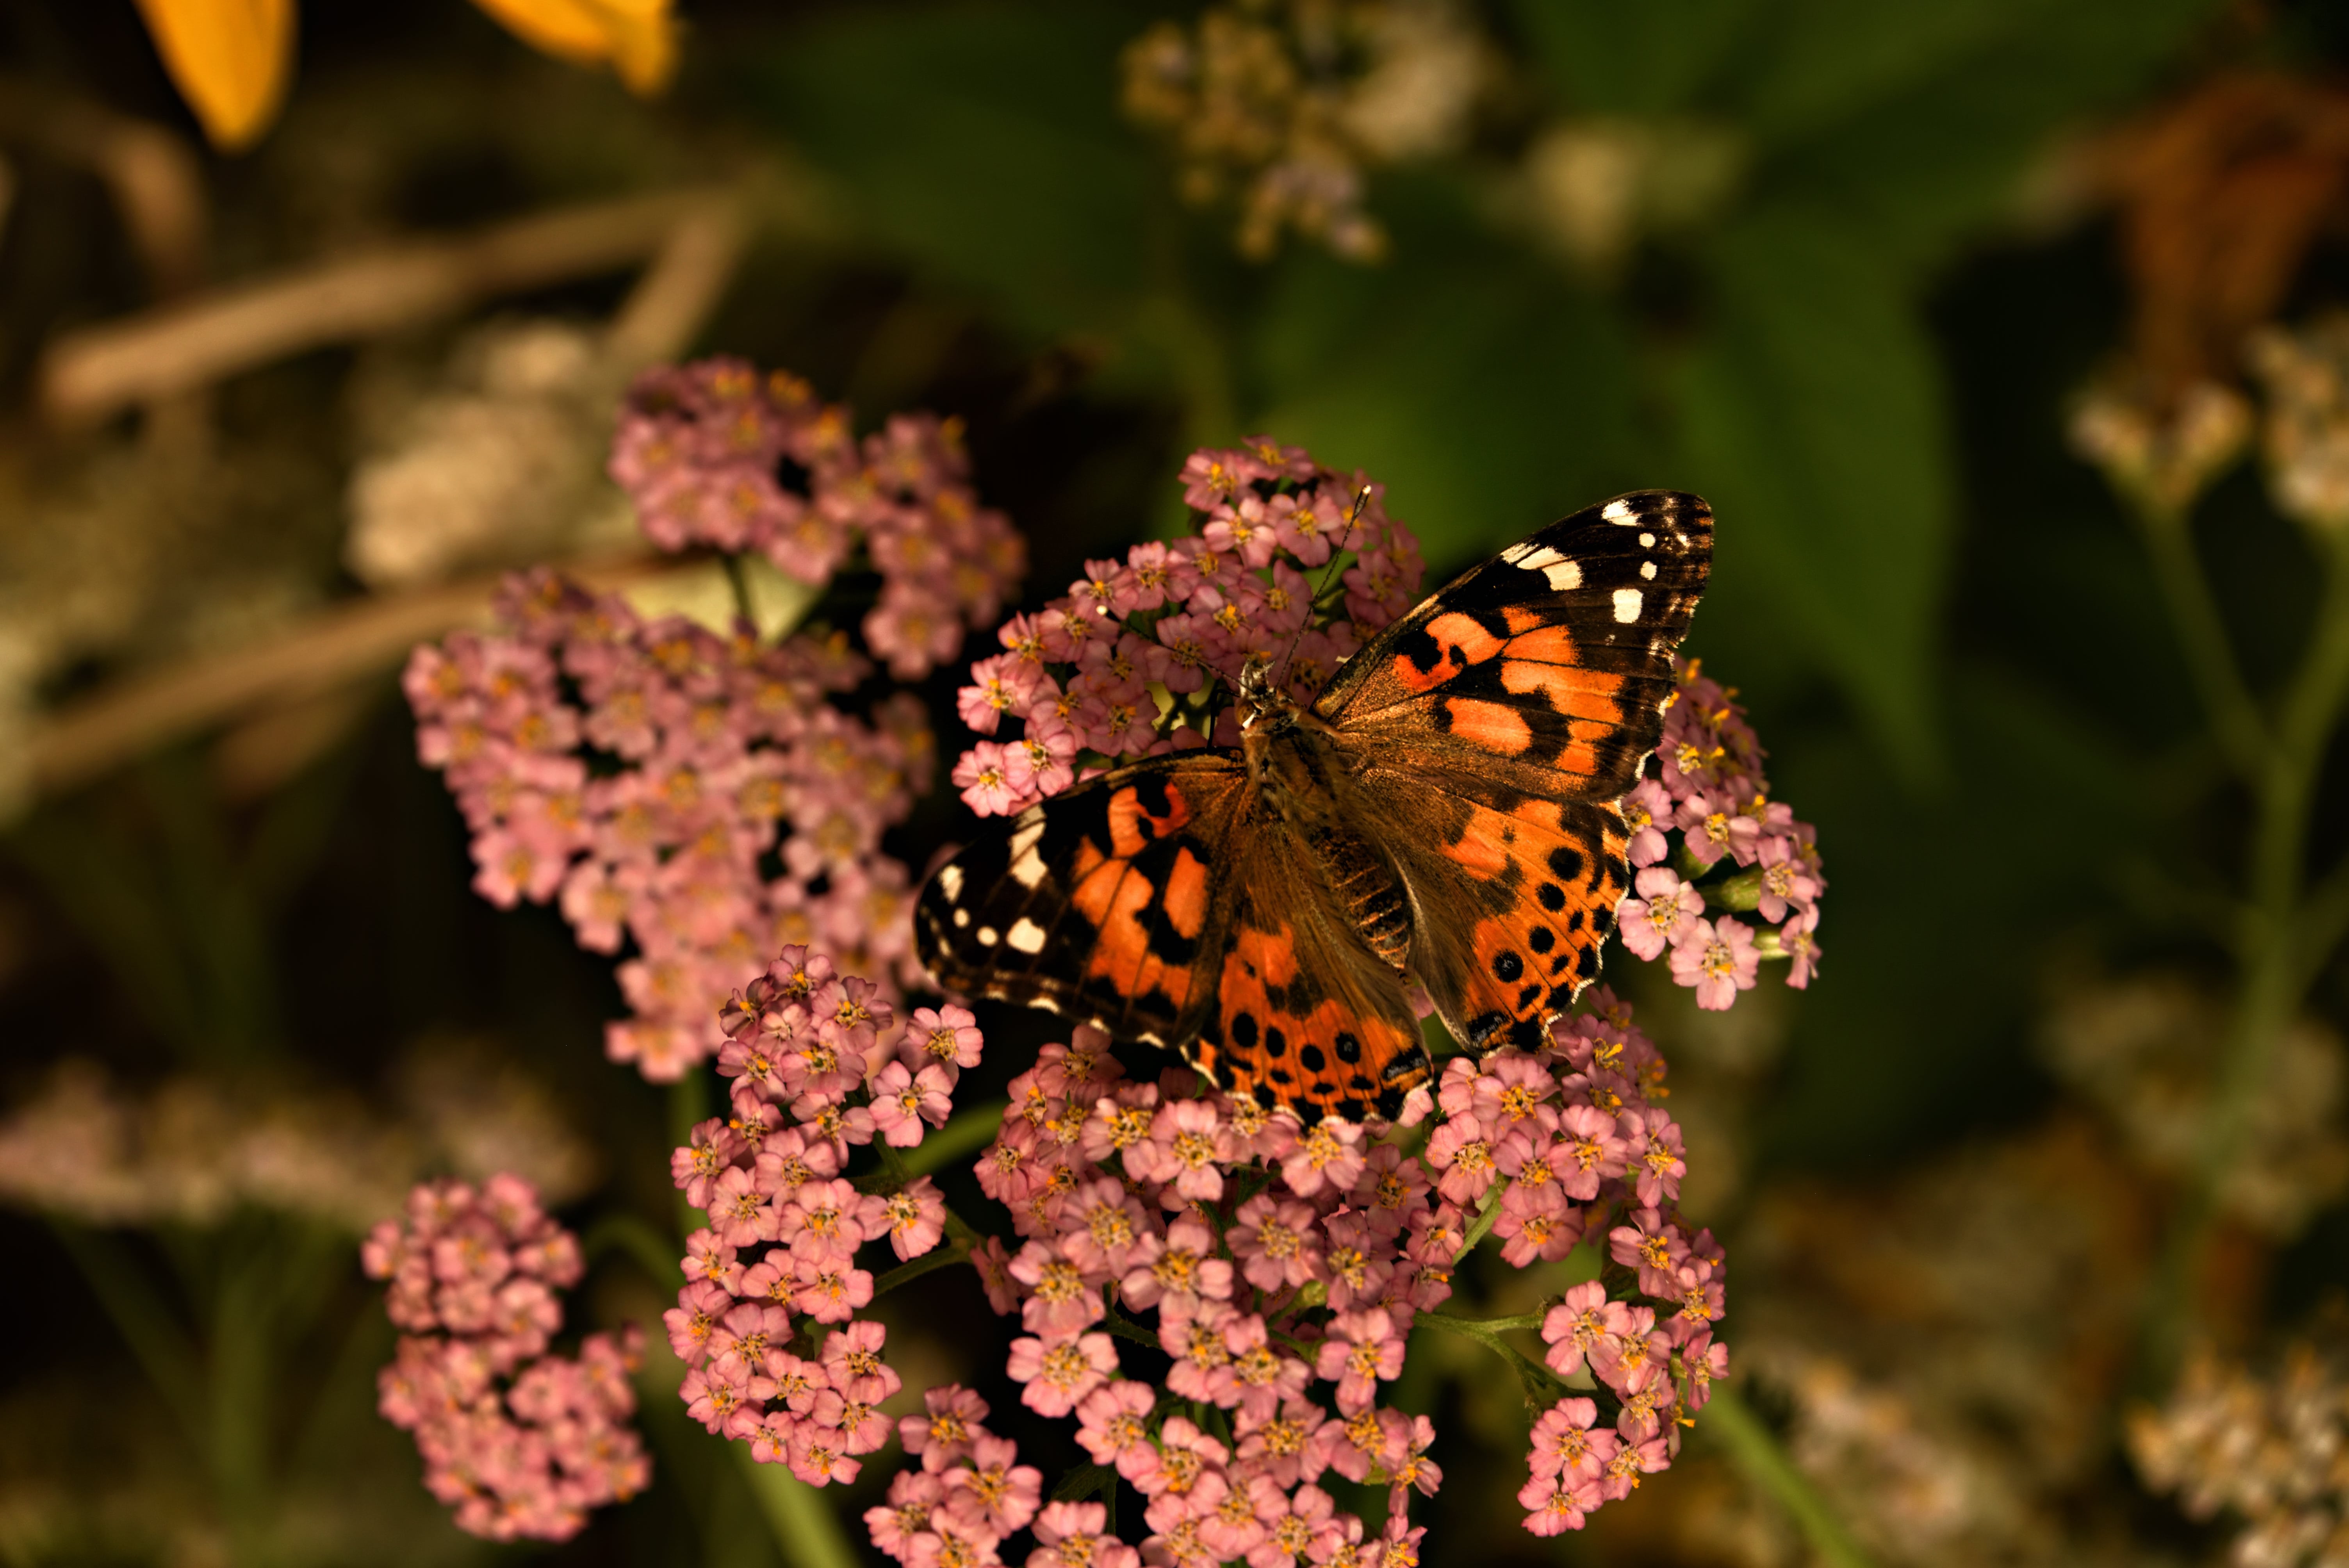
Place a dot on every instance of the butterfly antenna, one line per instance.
(1337, 554)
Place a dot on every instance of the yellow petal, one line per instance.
(230, 59)
(637, 37)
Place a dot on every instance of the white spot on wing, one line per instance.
(1028, 869)
(1024, 840)
(1646, 541)
(1627, 604)
(987, 935)
(950, 881)
(1026, 935)
(1564, 574)
(962, 918)
(1619, 511)
(1647, 570)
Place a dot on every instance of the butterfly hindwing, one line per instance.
(1105, 902)
(1543, 671)
(1304, 1015)
(1513, 896)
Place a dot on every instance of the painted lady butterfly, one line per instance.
(1445, 813)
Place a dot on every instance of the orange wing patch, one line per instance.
(1516, 900)
(1303, 1016)
(1098, 902)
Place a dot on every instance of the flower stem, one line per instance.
(2284, 934)
(2203, 635)
(1756, 1451)
(808, 1533)
(965, 1133)
(643, 1245)
(914, 1268)
(1539, 1384)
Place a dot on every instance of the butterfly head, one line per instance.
(1265, 708)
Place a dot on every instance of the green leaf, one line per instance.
(1920, 165)
(1488, 395)
(1603, 56)
(983, 145)
(1812, 418)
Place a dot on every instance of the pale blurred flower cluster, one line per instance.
(501, 461)
(2305, 374)
(2163, 452)
(193, 1150)
(1596, 186)
(1940, 1348)
(1280, 106)
(2143, 1051)
(2272, 1450)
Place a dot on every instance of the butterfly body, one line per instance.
(1444, 813)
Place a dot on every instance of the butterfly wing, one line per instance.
(1106, 902)
(1304, 1015)
(1488, 736)
(1159, 904)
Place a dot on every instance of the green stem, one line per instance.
(161, 1349)
(1126, 1328)
(641, 1242)
(964, 1134)
(808, 1533)
(914, 1268)
(1756, 1451)
(1485, 1218)
(688, 1107)
(2277, 933)
(2202, 633)
(1540, 1385)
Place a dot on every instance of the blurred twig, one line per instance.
(92, 373)
(151, 172)
(339, 645)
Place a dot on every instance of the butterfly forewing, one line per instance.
(1545, 670)
(1105, 902)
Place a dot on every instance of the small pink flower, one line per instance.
(1362, 1350)
(1277, 1245)
(1555, 1504)
(1462, 1150)
(1648, 811)
(1184, 1152)
(984, 776)
(1719, 959)
(1563, 1443)
(992, 1494)
(1663, 914)
(1111, 1424)
(942, 1434)
(1329, 1153)
(1059, 1375)
(1581, 1321)
(1070, 1536)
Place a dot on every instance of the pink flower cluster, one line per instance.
(1283, 1270)
(766, 1323)
(714, 454)
(519, 1442)
(644, 773)
(1077, 676)
(1703, 816)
